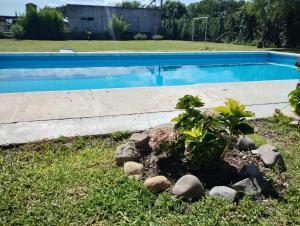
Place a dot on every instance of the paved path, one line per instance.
(26, 117)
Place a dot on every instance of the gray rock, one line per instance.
(227, 193)
(254, 182)
(140, 139)
(133, 168)
(248, 186)
(254, 152)
(270, 156)
(157, 184)
(245, 144)
(188, 186)
(255, 185)
(126, 152)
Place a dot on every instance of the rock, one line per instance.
(247, 185)
(188, 186)
(270, 156)
(161, 126)
(126, 152)
(252, 186)
(133, 168)
(140, 139)
(245, 144)
(254, 182)
(249, 171)
(254, 152)
(227, 193)
(157, 183)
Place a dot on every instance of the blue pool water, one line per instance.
(52, 72)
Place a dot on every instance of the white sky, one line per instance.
(9, 7)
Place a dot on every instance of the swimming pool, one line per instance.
(29, 72)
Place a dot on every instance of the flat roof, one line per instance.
(115, 7)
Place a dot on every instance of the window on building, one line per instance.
(87, 18)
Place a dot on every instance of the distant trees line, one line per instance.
(265, 23)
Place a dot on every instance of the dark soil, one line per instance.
(223, 172)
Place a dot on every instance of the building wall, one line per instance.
(96, 18)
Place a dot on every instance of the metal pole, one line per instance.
(193, 28)
(205, 29)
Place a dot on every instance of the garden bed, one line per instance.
(75, 181)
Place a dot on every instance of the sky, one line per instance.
(10, 7)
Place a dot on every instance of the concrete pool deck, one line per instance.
(27, 117)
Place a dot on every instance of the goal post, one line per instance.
(205, 18)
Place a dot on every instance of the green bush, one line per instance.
(157, 37)
(88, 34)
(46, 24)
(200, 139)
(294, 99)
(140, 36)
(2, 35)
(118, 27)
(18, 31)
(233, 116)
(204, 138)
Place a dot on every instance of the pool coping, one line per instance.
(103, 53)
(32, 116)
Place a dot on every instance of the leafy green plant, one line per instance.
(140, 36)
(88, 34)
(233, 115)
(294, 99)
(191, 117)
(18, 31)
(280, 118)
(118, 27)
(202, 146)
(200, 139)
(157, 37)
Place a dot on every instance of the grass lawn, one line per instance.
(9, 45)
(74, 181)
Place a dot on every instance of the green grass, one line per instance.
(10, 45)
(74, 181)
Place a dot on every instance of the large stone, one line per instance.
(188, 186)
(245, 144)
(254, 185)
(140, 139)
(157, 184)
(254, 182)
(270, 156)
(227, 193)
(126, 152)
(248, 186)
(133, 168)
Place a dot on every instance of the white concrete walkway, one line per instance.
(26, 117)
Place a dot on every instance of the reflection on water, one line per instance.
(37, 79)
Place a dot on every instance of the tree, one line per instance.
(129, 5)
(173, 10)
(44, 24)
(118, 27)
